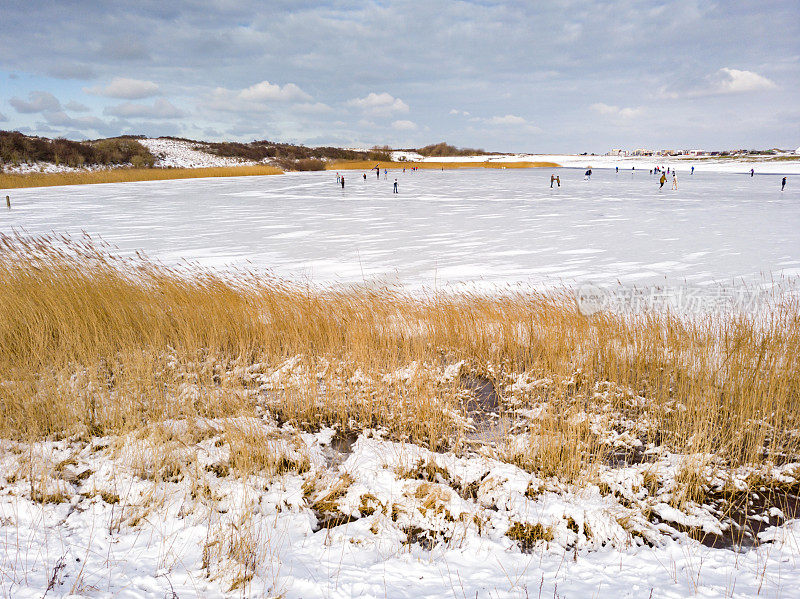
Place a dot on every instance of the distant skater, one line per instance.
(385, 174)
(337, 177)
(588, 174)
(752, 172)
(617, 169)
(8, 202)
(342, 181)
(558, 181)
(783, 184)
(395, 187)
(674, 180)
(662, 180)
(365, 176)
(692, 171)
(552, 180)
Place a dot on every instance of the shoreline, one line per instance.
(129, 175)
(438, 164)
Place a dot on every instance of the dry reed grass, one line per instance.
(91, 343)
(125, 175)
(341, 165)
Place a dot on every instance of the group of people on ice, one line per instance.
(376, 168)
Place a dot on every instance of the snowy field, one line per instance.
(369, 516)
(482, 227)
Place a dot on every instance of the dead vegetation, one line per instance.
(92, 344)
(126, 175)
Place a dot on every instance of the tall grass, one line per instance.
(123, 175)
(91, 343)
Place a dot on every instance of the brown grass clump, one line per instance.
(91, 343)
(528, 535)
(125, 175)
(341, 165)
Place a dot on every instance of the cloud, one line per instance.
(723, 82)
(3, 118)
(38, 101)
(74, 106)
(125, 89)
(125, 48)
(71, 70)
(734, 81)
(160, 109)
(616, 111)
(62, 119)
(382, 104)
(456, 111)
(266, 91)
(509, 119)
(262, 97)
(404, 125)
(313, 108)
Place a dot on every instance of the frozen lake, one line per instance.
(480, 226)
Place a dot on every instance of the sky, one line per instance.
(520, 76)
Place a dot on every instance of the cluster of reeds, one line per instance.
(93, 342)
(124, 175)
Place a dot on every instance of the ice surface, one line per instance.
(486, 227)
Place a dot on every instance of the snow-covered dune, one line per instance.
(184, 154)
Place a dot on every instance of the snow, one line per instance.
(183, 154)
(400, 155)
(111, 529)
(704, 164)
(26, 168)
(485, 228)
(117, 532)
(643, 163)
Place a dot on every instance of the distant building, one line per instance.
(617, 152)
(695, 152)
(642, 152)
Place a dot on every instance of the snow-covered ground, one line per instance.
(162, 511)
(485, 227)
(790, 165)
(370, 516)
(26, 168)
(183, 154)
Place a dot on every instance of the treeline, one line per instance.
(445, 149)
(16, 148)
(283, 153)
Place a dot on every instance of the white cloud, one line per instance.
(732, 81)
(509, 119)
(724, 81)
(404, 125)
(266, 91)
(62, 119)
(261, 97)
(382, 104)
(616, 111)
(313, 108)
(38, 101)
(125, 89)
(3, 118)
(76, 106)
(461, 112)
(161, 109)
